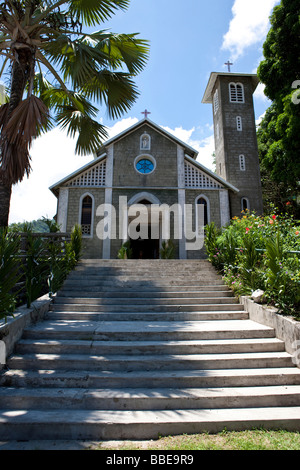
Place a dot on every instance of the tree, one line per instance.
(279, 131)
(56, 74)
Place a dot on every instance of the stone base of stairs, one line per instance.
(137, 350)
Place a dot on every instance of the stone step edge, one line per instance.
(105, 424)
(135, 399)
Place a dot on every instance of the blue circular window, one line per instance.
(144, 166)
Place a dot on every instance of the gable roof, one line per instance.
(188, 149)
(87, 171)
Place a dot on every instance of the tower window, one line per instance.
(216, 101)
(245, 204)
(242, 162)
(239, 123)
(236, 93)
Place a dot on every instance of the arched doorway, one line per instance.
(147, 244)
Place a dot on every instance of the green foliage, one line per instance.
(76, 241)
(35, 267)
(10, 273)
(125, 251)
(38, 226)
(167, 250)
(279, 131)
(41, 265)
(260, 253)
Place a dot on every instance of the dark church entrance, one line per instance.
(145, 248)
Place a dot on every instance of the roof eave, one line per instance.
(55, 187)
(207, 97)
(213, 175)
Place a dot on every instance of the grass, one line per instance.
(257, 439)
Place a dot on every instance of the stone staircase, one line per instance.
(138, 349)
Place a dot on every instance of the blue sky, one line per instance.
(189, 39)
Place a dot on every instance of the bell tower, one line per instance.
(231, 96)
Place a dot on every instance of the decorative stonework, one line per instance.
(195, 178)
(95, 176)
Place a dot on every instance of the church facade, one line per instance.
(145, 186)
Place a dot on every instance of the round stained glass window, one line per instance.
(144, 166)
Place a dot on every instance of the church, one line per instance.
(146, 187)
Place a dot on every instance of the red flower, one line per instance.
(273, 217)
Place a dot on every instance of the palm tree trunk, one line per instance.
(5, 195)
(18, 83)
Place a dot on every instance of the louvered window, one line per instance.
(195, 178)
(236, 93)
(95, 176)
(216, 101)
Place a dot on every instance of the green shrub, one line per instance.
(10, 273)
(125, 252)
(259, 252)
(167, 250)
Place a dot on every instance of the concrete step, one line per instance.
(136, 349)
(147, 307)
(150, 362)
(120, 294)
(94, 301)
(148, 316)
(146, 288)
(145, 399)
(149, 347)
(143, 330)
(149, 424)
(206, 378)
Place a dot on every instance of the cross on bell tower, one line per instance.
(228, 65)
(146, 112)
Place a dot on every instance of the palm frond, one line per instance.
(126, 49)
(27, 121)
(90, 133)
(92, 12)
(115, 89)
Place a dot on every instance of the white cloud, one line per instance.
(205, 146)
(259, 93)
(249, 26)
(53, 157)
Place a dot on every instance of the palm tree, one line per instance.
(56, 72)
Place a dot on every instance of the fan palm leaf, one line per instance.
(45, 38)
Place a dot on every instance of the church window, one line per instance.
(216, 101)
(236, 93)
(245, 204)
(242, 162)
(204, 213)
(145, 164)
(86, 215)
(145, 142)
(239, 123)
